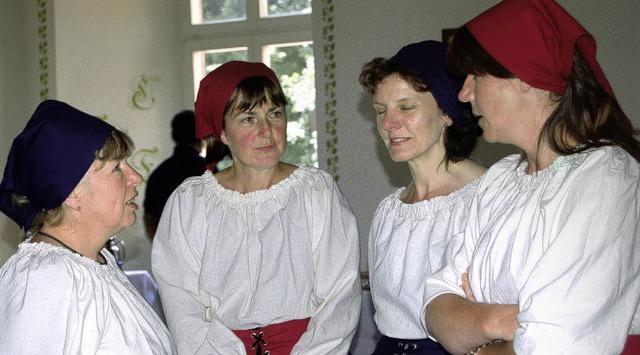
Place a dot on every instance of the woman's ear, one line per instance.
(73, 200)
(524, 87)
(447, 120)
(223, 137)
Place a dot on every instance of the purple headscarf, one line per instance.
(49, 158)
(427, 59)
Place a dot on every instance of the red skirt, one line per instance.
(273, 339)
(632, 347)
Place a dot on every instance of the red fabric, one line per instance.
(280, 338)
(535, 40)
(632, 347)
(215, 90)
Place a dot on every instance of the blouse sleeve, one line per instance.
(176, 261)
(336, 298)
(581, 295)
(49, 309)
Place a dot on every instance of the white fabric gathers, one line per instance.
(57, 302)
(563, 244)
(406, 244)
(229, 261)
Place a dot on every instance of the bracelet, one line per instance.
(476, 350)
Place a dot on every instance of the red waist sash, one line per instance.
(632, 347)
(273, 339)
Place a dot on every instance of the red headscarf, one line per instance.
(215, 90)
(535, 40)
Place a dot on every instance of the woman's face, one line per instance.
(257, 138)
(106, 196)
(409, 122)
(495, 100)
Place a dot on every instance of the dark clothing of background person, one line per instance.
(185, 162)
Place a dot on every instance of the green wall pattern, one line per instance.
(328, 53)
(43, 49)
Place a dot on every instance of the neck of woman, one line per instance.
(69, 239)
(245, 180)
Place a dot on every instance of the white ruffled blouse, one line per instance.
(563, 244)
(228, 261)
(54, 301)
(406, 244)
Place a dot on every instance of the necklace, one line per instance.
(66, 246)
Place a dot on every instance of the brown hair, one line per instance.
(252, 92)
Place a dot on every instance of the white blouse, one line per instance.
(406, 244)
(57, 302)
(563, 244)
(229, 261)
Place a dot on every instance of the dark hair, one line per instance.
(586, 116)
(183, 127)
(252, 92)
(459, 139)
(118, 146)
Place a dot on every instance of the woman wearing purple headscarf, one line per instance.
(68, 185)
(422, 123)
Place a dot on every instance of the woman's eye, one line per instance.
(246, 120)
(117, 169)
(380, 112)
(407, 108)
(276, 114)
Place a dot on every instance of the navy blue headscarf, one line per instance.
(427, 59)
(49, 158)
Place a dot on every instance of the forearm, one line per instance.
(500, 348)
(461, 325)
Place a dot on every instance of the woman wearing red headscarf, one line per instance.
(551, 246)
(261, 257)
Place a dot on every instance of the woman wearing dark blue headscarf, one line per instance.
(68, 185)
(422, 123)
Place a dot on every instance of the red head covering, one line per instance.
(215, 90)
(535, 40)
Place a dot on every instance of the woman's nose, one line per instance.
(265, 128)
(390, 121)
(466, 93)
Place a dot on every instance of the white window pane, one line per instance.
(217, 11)
(286, 7)
(293, 62)
(206, 61)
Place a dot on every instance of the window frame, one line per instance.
(254, 33)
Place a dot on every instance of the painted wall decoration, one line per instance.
(43, 49)
(144, 160)
(143, 97)
(328, 53)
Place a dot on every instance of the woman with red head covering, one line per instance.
(551, 246)
(261, 257)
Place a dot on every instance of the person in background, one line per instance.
(550, 250)
(263, 256)
(422, 123)
(185, 162)
(216, 151)
(68, 185)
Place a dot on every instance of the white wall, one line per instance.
(100, 47)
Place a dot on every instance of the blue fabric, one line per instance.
(427, 59)
(391, 346)
(49, 158)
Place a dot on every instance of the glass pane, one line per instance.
(215, 58)
(288, 7)
(294, 65)
(216, 11)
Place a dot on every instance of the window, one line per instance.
(275, 32)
